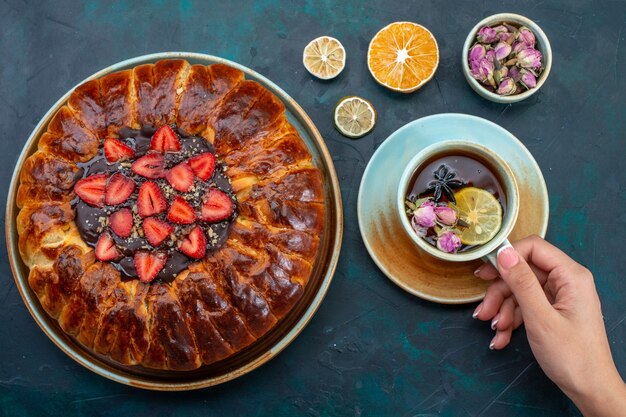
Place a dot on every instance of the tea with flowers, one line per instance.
(455, 203)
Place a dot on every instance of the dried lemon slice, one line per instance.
(403, 56)
(354, 117)
(481, 211)
(324, 57)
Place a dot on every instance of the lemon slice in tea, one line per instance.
(324, 57)
(354, 117)
(481, 211)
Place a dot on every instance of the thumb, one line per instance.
(523, 283)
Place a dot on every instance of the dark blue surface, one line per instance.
(371, 349)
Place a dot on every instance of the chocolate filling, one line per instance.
(92, 221)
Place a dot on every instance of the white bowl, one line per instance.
(543, 45)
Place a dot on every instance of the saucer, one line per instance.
(387, 242)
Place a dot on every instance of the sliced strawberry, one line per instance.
(180, 177)
(181, 212)
(156, 230)
(149, 264)
(121, 222)
(116, 150)
(203, 165)
(151, 165)
(150, 200)
(118, 189)
(217, 206)
(91, 189)
(165, 140)
(194, 244)
(105, 248)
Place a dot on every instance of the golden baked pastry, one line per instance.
(171, 215)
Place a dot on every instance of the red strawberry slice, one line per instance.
(149, 264)
(150, 200)
(91, 189)
(181, 212)
(116, 150)
(203, 165)
(121, 222)
(118, 189)
(165, 140)
(151, 165)
(217, 206)
(156, 231)
(194, 244)
(180, 177)
(105, 248)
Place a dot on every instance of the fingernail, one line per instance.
(507, 257)
(494, 322)
(480, 306)
(492, 345)
(477, 272)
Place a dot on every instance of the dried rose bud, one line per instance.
(448, 242)
(445, 215)
(506, 87)
(486, 35)
(518, 46)
(477, 52)
(483, 70)
(501, 29)
(529, 58)
(490, 55)
(514, 72)
(500, 73)
(527, 37)
(419, 230)
(502, 50)
(528, 79)
(424, 216)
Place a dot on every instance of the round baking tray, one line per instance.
(263, 349)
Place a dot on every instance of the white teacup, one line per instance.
(487, 251)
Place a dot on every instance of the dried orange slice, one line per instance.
(324, 57)
(403, 56)
(354, 117)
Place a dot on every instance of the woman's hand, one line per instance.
(556, 299)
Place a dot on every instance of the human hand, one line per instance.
(556, 298)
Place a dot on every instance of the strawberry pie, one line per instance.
(171, 215)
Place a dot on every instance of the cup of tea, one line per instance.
(458, 201)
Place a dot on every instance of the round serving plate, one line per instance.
(383, 234)
(259, 352)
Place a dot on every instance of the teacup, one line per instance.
(487, 251)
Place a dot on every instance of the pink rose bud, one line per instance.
(419, 230)
(506, 87)
(528, 79)
(500, 73)
(445, 215)
(448, 242)
(514, 72)
(527, 37)
(477, 52)
(529, 58)
(424, 216)
(486, 35)
(518, 46)
(482, 70)
(502, 50)
(490, 55)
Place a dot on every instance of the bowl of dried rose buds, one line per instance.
(506, 58)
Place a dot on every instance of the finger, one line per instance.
(518, 319)
(523, 283)
(501, 339)
(544, 255)
(504, 318)
(495, 295)
(487, 272)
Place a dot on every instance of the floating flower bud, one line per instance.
(419, 230)
(445, 215)
(502, 50)
(514, 72)
(528, 80)
(486, 35)
(477, 52)
(527, 37)
(483, 70)
(424, 216)
(448, 242)
(529, 58)
(500, 73)
(506, 87)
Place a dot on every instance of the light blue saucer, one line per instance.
(383, 235)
